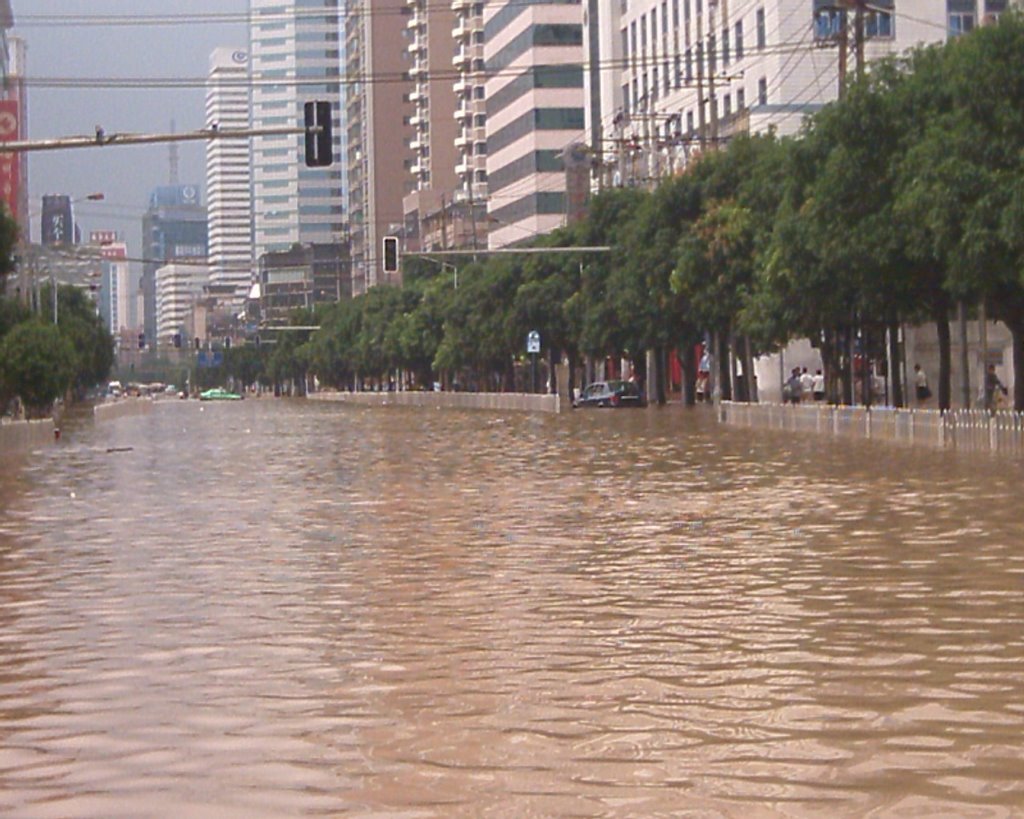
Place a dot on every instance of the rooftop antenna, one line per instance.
(173, 149)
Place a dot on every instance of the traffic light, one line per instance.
(142, 341)
(390, 254)
(319, 140)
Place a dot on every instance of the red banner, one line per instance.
(9, 161)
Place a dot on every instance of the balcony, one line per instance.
(463, 114)
(416, 95)
(416, 22)
(463, 29)
(463, 140)
(417, 45)
(417, 70)
(462, 58)
(460, 5)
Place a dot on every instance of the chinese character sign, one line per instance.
(8, 161)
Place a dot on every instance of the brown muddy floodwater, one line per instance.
(273, 608)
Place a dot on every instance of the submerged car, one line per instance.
(616, 394)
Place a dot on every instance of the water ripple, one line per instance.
(275, 608)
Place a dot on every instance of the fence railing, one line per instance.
(968, 430)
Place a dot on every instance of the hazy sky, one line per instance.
(126, 174)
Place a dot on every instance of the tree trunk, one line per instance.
(689, 368)
(660, 375)
(1017, 335)
(724, 358)
(847, 366)
(894, 364)
(748, 369)
(941, 318)
(830, 364)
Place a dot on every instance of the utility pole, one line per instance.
(701, 119)
(843, 48)
(843, 39)
(712, 67)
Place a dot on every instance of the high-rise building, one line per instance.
(177, 288)
(379, 158)
(295, 56)
(173, 229)
(690, 74)
(435, 129)
(533, 53)
(113, 295)
(228, 180)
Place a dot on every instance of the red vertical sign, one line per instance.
(9, 161)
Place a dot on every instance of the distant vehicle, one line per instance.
(617, 394)
(219, 394)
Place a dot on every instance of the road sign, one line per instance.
(533, 342)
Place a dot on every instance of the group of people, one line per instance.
(802, 386)
(993, 391)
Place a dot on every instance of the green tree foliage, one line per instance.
(8, 241)
(889, 206)
(90, 340)
(37, 363)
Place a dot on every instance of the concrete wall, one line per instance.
(118, 409)
(25, 434)
(521, 402)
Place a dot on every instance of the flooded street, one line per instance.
(269, 608)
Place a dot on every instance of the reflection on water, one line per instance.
(272, 608)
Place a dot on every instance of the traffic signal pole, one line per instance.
(102, 139)
(316, 126)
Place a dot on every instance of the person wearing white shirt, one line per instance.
(818, 386)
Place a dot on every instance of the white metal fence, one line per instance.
(968, 430)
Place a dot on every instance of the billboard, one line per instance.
(57, 224)
(9, 162)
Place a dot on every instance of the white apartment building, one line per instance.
(228, 180)
(533, 53)
(691, 73)
(295, 56)
(177, 288)
(471, 108)
(116, 288)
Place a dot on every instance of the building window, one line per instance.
(960, 23)
(761, 38)
(762, 91)
(741, 99)
(737, 39)
(878, 23)
(689, 121)
(725, 46)
(727, 105)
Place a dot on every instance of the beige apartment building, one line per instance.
(379, 132)
(430, 217)
(535, 114)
